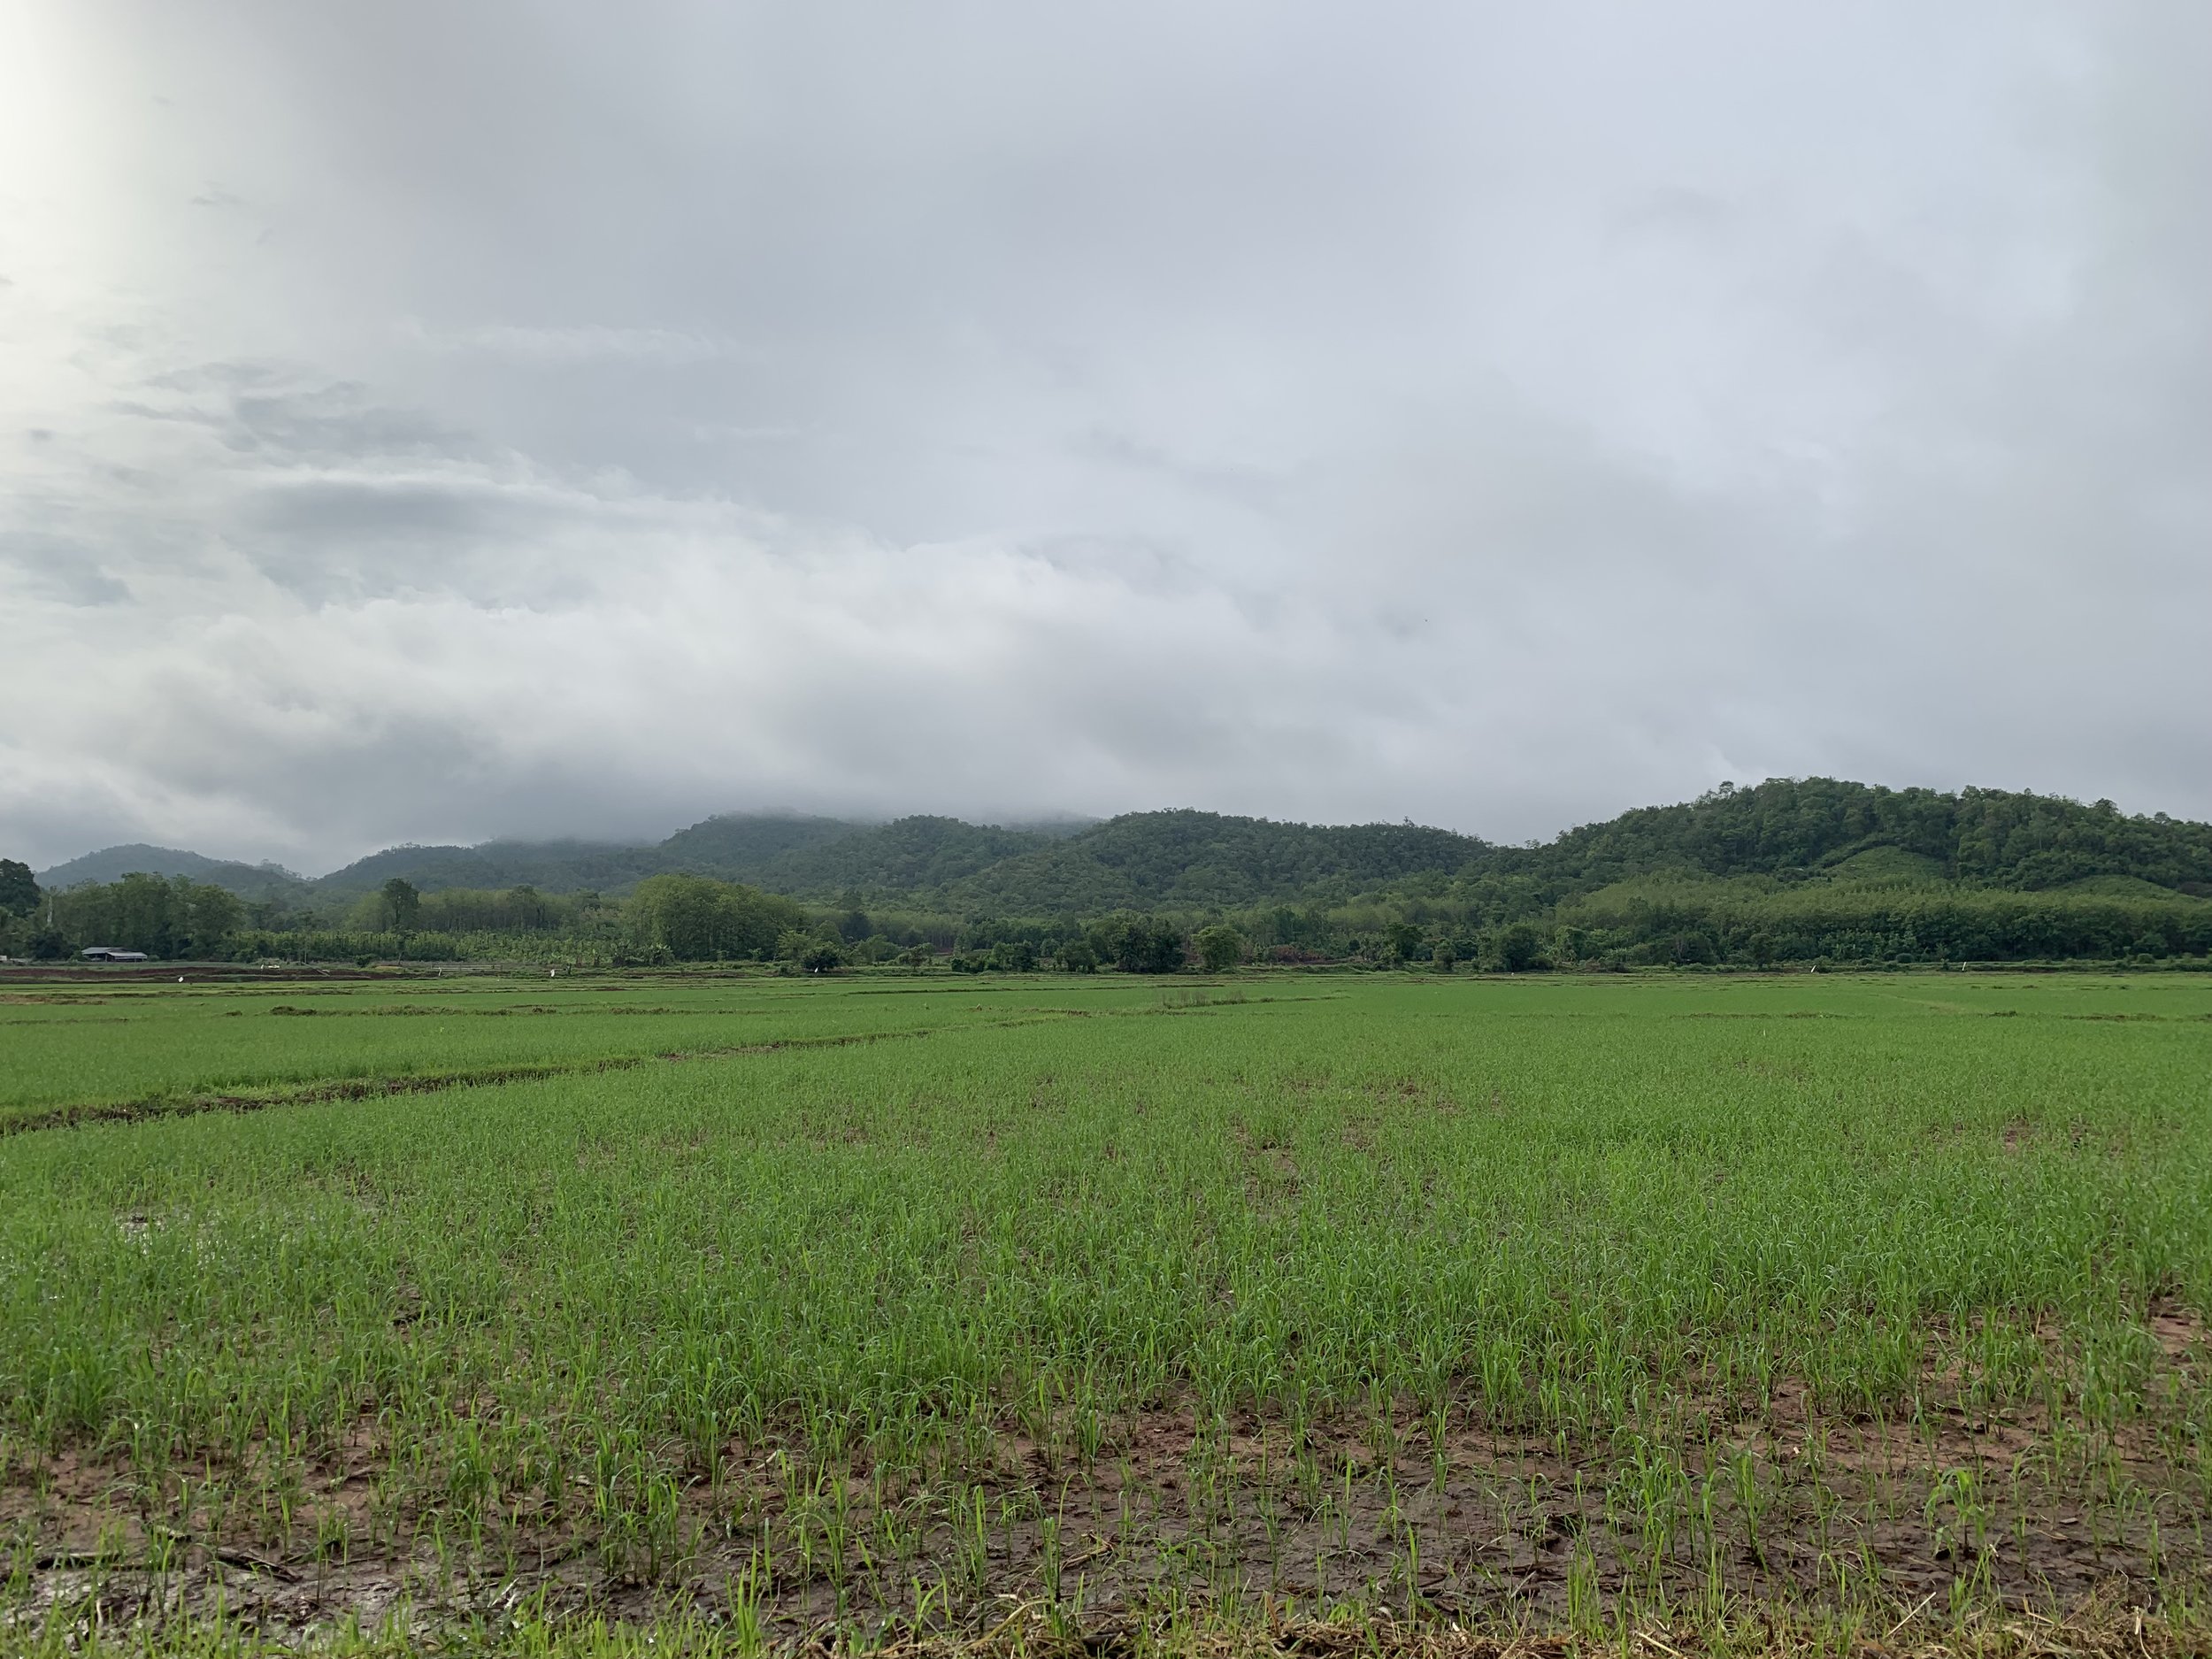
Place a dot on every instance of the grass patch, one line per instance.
(1554, 1307)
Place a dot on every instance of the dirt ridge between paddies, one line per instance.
(149, 1107)
(1029, 1631)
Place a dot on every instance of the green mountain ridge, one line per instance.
(1796, 828)
(1191, 860)
(1782, 834)
(253, 882)
(551, 866)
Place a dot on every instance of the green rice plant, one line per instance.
(796, 1253)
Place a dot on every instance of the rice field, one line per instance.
(738, 1313)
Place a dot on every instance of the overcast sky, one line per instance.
(423, 421)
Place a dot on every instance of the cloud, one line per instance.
(1492, 417)
(589, 343)
(57, 569)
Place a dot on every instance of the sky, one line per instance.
(423, 422)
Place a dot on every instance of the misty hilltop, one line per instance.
(113, 863)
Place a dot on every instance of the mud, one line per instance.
(1792, 1508)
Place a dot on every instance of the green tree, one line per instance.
(207, 916)
(1516, 948)
(20, 895)
(141, 914)
(528, 906)
(1220, 948)
(399, 906)
(1138, 944)
(1444, 957)
(695, 919)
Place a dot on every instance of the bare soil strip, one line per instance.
(1801, 1514)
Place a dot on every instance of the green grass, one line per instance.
(1373, 1294)
(142, 1043)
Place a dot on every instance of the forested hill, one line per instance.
(911, 856)
(111, 863)
(1196, 861)
(548, 866)
(1781, 831)
(732, 849)
(1789, 828)
(804, 855)
(1140, 860)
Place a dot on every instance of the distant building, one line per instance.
(109, 953)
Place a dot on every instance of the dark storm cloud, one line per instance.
(517, 418)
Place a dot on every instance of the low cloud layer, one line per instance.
(429, 423)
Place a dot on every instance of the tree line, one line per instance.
(1667, 922)
(1786, 871)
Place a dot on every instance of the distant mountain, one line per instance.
(549, 867)
(1193, 860)
(808, 858)
(1783, 831)
(1797, 828)
(912, 856)
(113, 863)
(738, 846)
(1059, 829)
(735, 848)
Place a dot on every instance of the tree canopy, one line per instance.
(18, 890)
(1783, 871)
